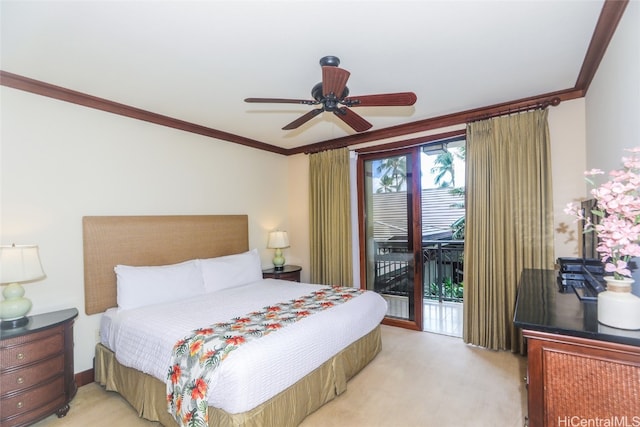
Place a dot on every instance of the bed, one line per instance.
(259, 383)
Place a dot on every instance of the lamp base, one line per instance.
(14, 323)
(14, 306)
(278, 260)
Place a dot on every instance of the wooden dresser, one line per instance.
(36, 369)
(579, 371)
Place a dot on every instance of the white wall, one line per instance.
(613, 100)
(567, 132)
(298, 189)
(60, 162)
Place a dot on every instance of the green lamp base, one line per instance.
(14, 307)
(278, 260)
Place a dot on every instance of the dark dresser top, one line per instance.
(39, 322)
(542, 307)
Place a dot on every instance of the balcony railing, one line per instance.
(442, 269)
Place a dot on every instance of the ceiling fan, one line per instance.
(333, 95)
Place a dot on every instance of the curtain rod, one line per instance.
(451, 136)
(491, 112)
(540, 105)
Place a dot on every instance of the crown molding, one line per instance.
(63, 94)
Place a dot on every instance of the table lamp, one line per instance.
(277, 241)
(18, 264)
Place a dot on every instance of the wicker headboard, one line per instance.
(151, 240)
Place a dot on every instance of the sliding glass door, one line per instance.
(412, 217)
(390, 210)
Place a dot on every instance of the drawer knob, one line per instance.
(20, 380)
(20, 356)
(19, 405)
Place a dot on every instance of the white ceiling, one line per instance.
(197, 60)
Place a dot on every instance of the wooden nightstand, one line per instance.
(289, 272)
(36, 368)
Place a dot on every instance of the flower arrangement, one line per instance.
(618, 206)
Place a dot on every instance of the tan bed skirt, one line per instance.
(148, 394)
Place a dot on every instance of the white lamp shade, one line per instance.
(19, 264)
(278, 240)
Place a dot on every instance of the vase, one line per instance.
(617, 306)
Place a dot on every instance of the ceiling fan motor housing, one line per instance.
(330, 101)
(330, 61)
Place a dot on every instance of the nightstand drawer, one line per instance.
(49, 394)
(32, 375)
(20, 351)
(26, 418)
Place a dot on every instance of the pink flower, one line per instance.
(618, 206)
(619, 267)
(574, 209)
(594, 172)
(633, 250)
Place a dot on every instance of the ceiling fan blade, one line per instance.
(282, 101)
(334, 80)
(382, 100)
(303, 119)
(352, 119)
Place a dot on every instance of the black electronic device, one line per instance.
(595, 282)
(572, 276)
(583, 275)
(570, 282)
(593, 285)
(568, 285)
(585, 294)
(569, 264)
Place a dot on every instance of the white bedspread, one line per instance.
(143, 338)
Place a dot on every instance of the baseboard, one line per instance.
(84, 377)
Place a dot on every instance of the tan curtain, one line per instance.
(330, 223)
(509, 221)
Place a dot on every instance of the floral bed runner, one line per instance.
(195, 358)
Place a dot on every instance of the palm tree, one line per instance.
(394, 170)
(459, 192)
(386, 185)
(443, 166)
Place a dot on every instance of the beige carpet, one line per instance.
(419, 379)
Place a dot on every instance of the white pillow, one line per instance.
(142, 286)
(231, 270)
